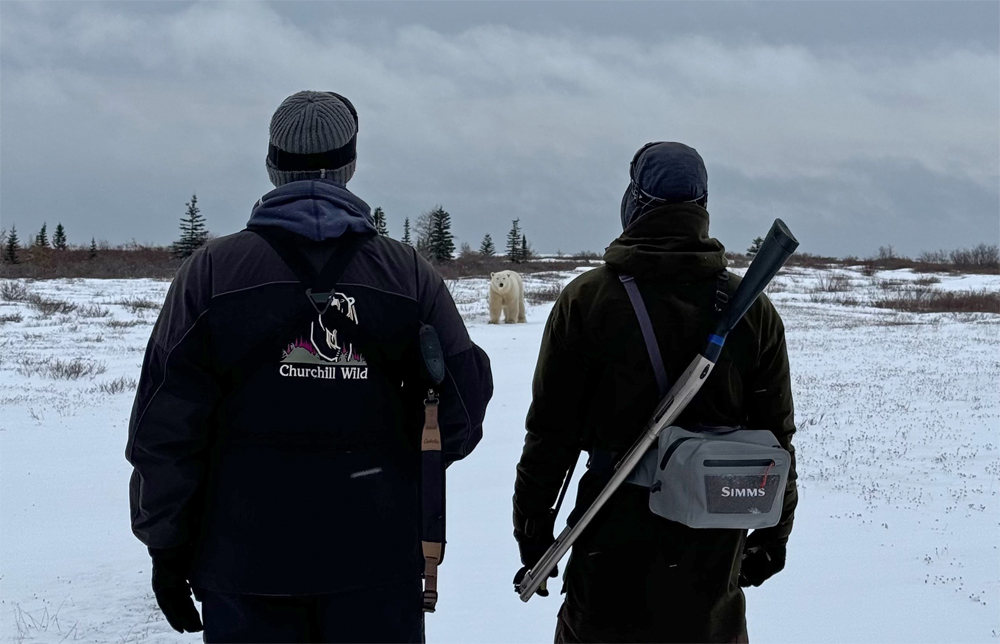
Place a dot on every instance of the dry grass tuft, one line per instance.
(14, 292)
(11, 317)
(120, 385)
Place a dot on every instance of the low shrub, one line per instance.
(61, 369)
(937, 301)
(50, 307)
(120, 385)
(548, 293)
(833, 283)
(136, 304)
(123, 324)
(93, 311)
(11, 317)
(11, 291)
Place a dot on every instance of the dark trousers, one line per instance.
(569, 633)
(389, 613)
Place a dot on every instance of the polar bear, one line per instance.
(506, 294)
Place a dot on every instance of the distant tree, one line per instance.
(59, 238)
(379, 217)
(487, 249)
(514, 242)
(93, 249)
(42, 238)
(423, 228)
(466, 250)
(755, 246)
(11, 247)
(406, 232)
(525, 249)
(193, 231)
(441, 243)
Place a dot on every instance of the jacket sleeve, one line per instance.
(770, 407)
(168, 434)
(551, 444)
(468, 383)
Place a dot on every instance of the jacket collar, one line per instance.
(316, 209)
(669, 242)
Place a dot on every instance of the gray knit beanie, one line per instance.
(313, 136)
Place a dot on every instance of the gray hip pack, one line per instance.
(709, 477)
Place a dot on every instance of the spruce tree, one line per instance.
(11, 247)
(406, 232)
(42, 238)
(755, 246)
(380, 226)
(93, 249)
(59, 238)
(487, 249)
(441, 244)
(525, 250)
(514, 242)
(193, 231)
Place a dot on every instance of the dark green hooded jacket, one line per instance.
(634, 576)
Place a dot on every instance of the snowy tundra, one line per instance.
(896, 536)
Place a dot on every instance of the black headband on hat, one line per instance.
(330, 160)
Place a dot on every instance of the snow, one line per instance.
(895, 539)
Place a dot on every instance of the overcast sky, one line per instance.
(860, 123)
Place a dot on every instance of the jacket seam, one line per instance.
(163, 381)
(250, 288)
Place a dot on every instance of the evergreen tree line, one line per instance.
(431, 235)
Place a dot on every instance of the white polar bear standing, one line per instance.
(507, 295)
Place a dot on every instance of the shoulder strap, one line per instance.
(325, 279)
(652, 347)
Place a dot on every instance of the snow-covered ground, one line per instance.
(896, 536)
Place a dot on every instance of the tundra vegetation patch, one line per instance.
(897, 407)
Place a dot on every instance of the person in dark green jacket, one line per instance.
(634, 576)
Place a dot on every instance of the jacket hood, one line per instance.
(671, 241)
(316, 209)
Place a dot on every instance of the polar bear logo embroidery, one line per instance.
(323, 346)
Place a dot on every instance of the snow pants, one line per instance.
(389, 613)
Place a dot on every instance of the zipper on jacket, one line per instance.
(673, 448)
(745, 462)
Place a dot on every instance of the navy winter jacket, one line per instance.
(271, 445)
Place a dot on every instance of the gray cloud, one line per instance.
(111, 115)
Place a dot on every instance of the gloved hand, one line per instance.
(534, 536)
(172, 590)
(762, 559)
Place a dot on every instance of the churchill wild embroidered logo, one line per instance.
(322, 355)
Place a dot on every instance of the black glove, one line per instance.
(172, 590)
(534, 536)
(761, 559)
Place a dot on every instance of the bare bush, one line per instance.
(120, 385)
(11, 291)
(93, 311)
(934, 257)
(136, 304)
(61, 369)
(927, 281)
(868, 268)
(843, 300)
(11, 317)
(937, 301)
(983, 255)
(548, 293)
(833, 283)
(50, 307)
